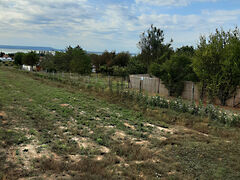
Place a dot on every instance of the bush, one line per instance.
(18, 58)
(174, 72)
(135, 66)
(120, 71)
(217, 63)
(121, 59)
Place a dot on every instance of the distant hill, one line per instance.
(34, 48)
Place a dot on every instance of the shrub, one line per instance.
(217, 63)
(18, 58)
(120, 71)
(135, 66)
(174, 72)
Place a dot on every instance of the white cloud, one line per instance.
(59, 23)
(171, 2)
(186, 29)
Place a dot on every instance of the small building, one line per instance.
(6, 58)
(93, 69)
(27, 68)
(31, 68)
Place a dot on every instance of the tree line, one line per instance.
(214, 63)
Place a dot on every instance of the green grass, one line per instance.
(50, 129)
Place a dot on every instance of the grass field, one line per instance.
(49, 130)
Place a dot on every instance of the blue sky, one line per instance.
(98, 25)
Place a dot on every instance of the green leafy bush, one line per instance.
(120, 71)
(217, 63)
(174, 72)
(135, 66)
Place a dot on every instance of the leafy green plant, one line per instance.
(217, 63)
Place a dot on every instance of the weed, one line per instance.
(10, 137)
(200, 147)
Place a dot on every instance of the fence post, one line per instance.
(122, 84)
(141, 84)
(110, 83)
(117, 87)
(193, 90)
(158, 91)
(233, 103)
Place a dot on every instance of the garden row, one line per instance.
(119, 88)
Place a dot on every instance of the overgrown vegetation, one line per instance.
(94, 135)
(217, 63)
(119, 87)
(72, 60)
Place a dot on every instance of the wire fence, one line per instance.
(121, 88)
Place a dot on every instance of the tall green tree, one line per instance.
(107, 57)
(80, 61)
(121, 59)
(217, 63)
(152, 46)
(18, 58)
(47, 63)
(31, 58)
(61, 62)
(186, 51)
(105, 62)
(95, 58)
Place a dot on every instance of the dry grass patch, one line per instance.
(3, 115)
(130, 151)
(84, 168)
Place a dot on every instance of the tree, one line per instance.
(105, 62)
(11, 55)
(48, 63)
(217, 63)
(121, 59)
(61, 62)
(152, 46)
(80, 62)
(174, 72)
(73, 59)
(95, 59)
(31, 58)
(107, 57)
(120, 71)
(136, 66)
(186, 51)
(2, 54)
(18, 58)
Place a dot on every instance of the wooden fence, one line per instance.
(190, 91)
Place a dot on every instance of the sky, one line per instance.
(98, 25)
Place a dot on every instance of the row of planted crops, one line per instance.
(118, 86)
